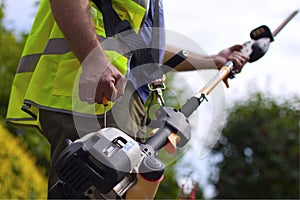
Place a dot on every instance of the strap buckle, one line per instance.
(157, 87)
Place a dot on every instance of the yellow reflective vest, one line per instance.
(48, 71)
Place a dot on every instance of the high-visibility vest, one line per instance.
(48, 71)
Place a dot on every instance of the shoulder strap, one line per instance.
(112, 21)
(142, 53)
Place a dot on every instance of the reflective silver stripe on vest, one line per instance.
(58, 46)
(28, 63)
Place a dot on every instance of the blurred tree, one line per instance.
(19, 176)
(168, 188)
(190, 189)
(10, 52)
(259, 151)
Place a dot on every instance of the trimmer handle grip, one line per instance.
(259, 45)
(256, 49)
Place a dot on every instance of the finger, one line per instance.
(237, 47)
(90, 100)
(120, 86)
(99, 98)
(90, 94)
(114, 93)
(85, 95)
(237, 61)
(242, 56)
(106, 89)
(81, 93)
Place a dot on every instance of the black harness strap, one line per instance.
(142, 53)
(110, 17)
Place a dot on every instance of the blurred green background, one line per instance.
(257, 155)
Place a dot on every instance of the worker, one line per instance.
(66, 71)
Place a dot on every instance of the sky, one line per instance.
(214, 25)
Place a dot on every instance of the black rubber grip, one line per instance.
(190, 106)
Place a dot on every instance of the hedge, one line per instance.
(19, 176)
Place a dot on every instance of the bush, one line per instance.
(19, 176)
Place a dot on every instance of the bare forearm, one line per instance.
(73, 18)
(194, 61)
(198, 61)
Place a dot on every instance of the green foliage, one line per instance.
(35, 142)
(10, 52)
(19, 177)
(260, 150)
(168, 188)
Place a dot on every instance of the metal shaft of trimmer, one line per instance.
(105, 104)
(282, 25)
